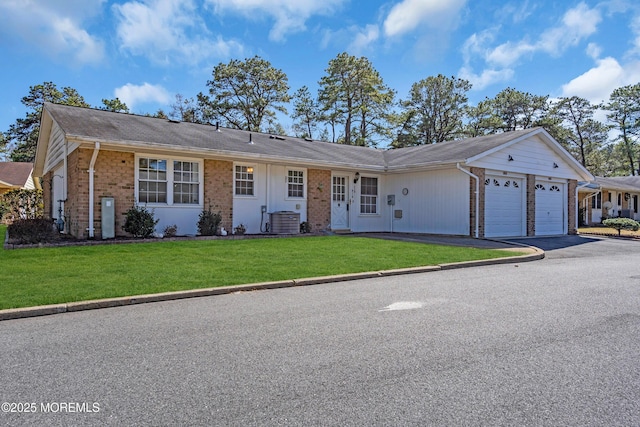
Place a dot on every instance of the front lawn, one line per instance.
(40, 276)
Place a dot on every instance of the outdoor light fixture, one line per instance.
(355, 181)
(555, 165)
(510, 158)
(250, 169)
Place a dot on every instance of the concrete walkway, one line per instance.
(530, 253)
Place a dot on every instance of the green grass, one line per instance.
(40, 276)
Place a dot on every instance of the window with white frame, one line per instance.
(244, 180)
(152, 180)
(295, 183)
(368, 195)
(596, 201)
(186, 182)
(156, 176)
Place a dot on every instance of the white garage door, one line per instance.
(550, 216)
(504, 207)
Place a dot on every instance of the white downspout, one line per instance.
(477, 196)
(96, 149)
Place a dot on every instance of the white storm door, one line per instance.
(504, 207)
(550, 208)
(340, 203)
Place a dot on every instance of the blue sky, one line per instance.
(147, 51)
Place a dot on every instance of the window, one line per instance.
(244, 180)
(619, 199)
(152, 180)
(295, 183)
(186, 182)
(156, 176)
(368, 195)
(596, 201)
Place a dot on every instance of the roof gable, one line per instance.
(15, 174)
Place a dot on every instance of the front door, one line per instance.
(340, 203)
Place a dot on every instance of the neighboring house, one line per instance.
(520, 183)
(610, 198)
(16, 175)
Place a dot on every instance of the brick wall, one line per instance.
(218, 189)
(480, 173)
(47, 180)
(319, 199)
(573, 184)
(114, 176)
(531, 205)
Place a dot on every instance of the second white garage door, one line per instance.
(550, 212)
(504, 207)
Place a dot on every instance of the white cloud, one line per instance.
(409, 15)
(487, 78)
(132, 94)
(363, 39)
(577, 24)
(55, 27)
(290, 16)
(594, 50)
(167, 31)
(597, 83)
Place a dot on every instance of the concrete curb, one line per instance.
(19, 313)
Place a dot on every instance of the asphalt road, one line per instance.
(554, 342)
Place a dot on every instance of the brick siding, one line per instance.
(531, 205)
(218, 189)
(480, 173)
(319, 199)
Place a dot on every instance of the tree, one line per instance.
(114, 105)
(186, 110)
(436, 107)
(244, 93)
(481, 120)
(519, 110)
(23, 134)
(3, 148)
(583, 135)
(624, 107)
(306, 113)
(353, 94)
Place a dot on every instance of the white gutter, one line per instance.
(96, 149)
(477, 196)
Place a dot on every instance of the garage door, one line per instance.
(550, 216)
(504, 207)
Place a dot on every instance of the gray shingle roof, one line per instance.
(624, 183)
(15, 173)
(142, 131)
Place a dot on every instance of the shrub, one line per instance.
(208, 222)
(170, 231)
(32, 230)
(21, 204)
(240, 229)
(140, 222)
(305, 227)
(621, 224)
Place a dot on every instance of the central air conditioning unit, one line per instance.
(285, 222)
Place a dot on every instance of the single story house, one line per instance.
(98, 164)
(16, 175)
(611, 197)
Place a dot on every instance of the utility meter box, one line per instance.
(108, 214)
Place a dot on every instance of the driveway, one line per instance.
(551, 342)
